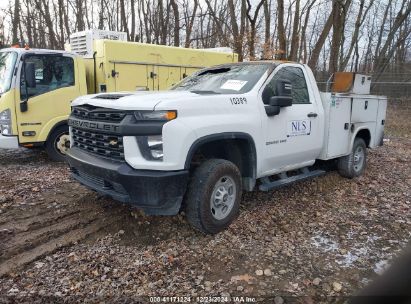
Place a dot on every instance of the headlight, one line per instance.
(5, 122)
(155, 115)
(151, 147)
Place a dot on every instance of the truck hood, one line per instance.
(133, 100)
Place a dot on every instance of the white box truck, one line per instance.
(219, 132)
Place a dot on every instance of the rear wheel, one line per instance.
(354, 164)
(58, 143)
(213, 197)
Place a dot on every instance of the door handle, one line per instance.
(312, 114)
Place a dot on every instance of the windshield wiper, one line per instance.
(204, 92)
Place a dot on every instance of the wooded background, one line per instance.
(370, 36)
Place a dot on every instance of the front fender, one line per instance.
(50, 125)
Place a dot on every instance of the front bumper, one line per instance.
(156, 192)
(9, 142)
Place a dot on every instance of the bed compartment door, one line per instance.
(379, 127)
(339, 134)
(364, 109)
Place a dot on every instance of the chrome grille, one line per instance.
(110, 146)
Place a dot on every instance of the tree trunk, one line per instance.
(315, 54)
(176, 22)
(61, 20)
(43, 8)
(340, 10)
(281, 31)
(218, 25)
(101, 16)
(29, 24)
(133, 21)
(79, 15)
(189, 26)
(303, 44)
(238, 30)
(389, 47)
(16, 22)
(267, 35)
(294, 37)
(253, 29)
(123, 19)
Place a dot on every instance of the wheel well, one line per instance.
(57, 125)
(240, 151)
(365, 135)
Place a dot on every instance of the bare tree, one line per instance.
(253, 27)
(133, 20)
(295, 35)
(365, 35)
(389, 47)
(176, 13)
(123, 19)
(315, 54)
(282, 52)
(362, 14)
(340, 8)
(267, 30)
(16, 21)
(189, 21)
(303, 39)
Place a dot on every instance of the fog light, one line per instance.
(155, 145)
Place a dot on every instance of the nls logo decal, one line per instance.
(298, 128)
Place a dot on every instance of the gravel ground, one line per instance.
(326, 237)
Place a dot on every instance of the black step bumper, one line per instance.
(156, 192)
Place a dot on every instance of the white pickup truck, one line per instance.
(217, 133)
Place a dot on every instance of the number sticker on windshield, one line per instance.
(235, 85)
(238, 100)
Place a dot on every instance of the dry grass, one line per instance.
(398, 119)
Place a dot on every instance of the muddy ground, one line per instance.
(326, 237)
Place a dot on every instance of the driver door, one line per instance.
(293, 138)
(49, 101)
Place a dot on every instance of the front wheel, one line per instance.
(213, 197)
(354, 164)
(58, 143)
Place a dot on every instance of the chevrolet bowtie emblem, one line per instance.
(113, 142)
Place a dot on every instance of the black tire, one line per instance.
(52, 143)
(349, 166)
(200, 210)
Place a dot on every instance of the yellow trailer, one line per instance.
(37, 85)
(130, 66)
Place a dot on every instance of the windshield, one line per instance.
(228, 79)
(7, 61)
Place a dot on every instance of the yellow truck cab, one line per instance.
(38, 85)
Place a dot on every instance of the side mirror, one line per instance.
(30, 74)
(281, 101)
(30, 82)
(283, 98)
(272, 110)
(284, 88)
